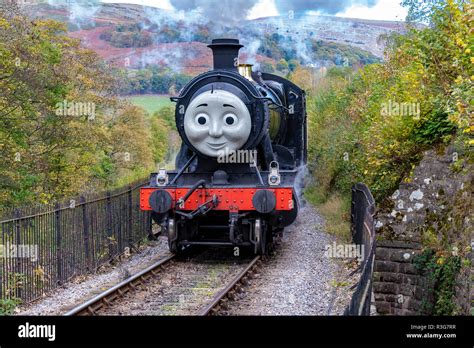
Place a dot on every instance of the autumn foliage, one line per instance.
(358, 130)
(47, 153)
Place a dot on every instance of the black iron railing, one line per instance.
(363, 233)
(42, 247)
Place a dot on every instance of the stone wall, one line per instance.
(464, 291)
(432, 209)
(398, 288)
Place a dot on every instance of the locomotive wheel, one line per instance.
(263, 237)
(150, 234)
(174, 248)
(173, 237)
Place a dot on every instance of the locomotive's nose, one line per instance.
(215, 129)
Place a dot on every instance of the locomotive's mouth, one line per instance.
(216, 146)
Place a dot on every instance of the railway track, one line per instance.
(105, 298)
(174, 287)
(236, 284)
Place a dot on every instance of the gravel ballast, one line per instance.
(73, 293)
(299, 279)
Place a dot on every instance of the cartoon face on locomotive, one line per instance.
(244, 141)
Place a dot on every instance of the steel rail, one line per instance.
(214, 304)
(106, 297)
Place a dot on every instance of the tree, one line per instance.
(59, 119)
(423, 10)
(282, 66)
(293, 64)
(303, 77)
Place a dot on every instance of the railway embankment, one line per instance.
(84, 287)
(299, 278)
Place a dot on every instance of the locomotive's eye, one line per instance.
(202, 119)
(230, 119)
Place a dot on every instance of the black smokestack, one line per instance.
(225, 52)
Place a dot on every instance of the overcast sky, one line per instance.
(382, 10)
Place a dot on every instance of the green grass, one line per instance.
(150, 102)
(335, 209)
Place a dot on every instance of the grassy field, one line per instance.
(150, 102)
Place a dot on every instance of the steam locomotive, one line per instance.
(244, 140)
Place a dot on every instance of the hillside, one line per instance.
(187, 57)
(360, 33)
(179, 42)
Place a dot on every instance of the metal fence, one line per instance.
(44, 246)
(363, 233)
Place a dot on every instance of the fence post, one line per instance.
(18, 270)
(3, 260)
(85, 233)
(120, 228)
(130, 217)
(58, 242)
(353, 212)
(109, 225)
(362, 210)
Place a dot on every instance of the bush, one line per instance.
(441, 271)
(7, 306)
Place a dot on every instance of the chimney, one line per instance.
(225, 52)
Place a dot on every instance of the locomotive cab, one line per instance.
(244, 144)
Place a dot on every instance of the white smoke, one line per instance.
(169, 58)
(301, 176)
(250, 49)
(81, 12)
(219, 11)
(162, 18)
